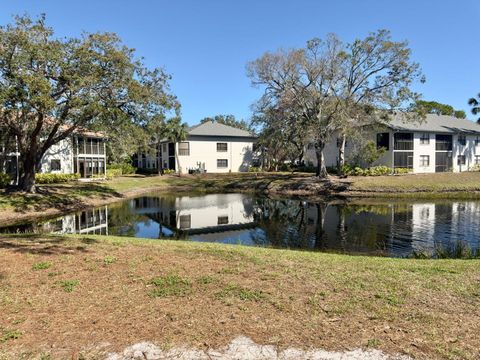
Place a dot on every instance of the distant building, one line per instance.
(210, 147)
(439, 143)
(83, 153)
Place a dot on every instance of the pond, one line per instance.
(394, 229)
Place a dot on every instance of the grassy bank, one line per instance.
(68, 297)
(54, 199)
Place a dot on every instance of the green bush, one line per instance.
(254, 169)
(5, 179)
(111, 173)
(55, 178)
(402, 170)
(372, 171)
(168, 171)
(126, 168)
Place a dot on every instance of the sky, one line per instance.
(205, 45)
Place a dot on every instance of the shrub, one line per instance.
(372, 171)
(254, 169)
(402, 170)
(125, 168)
(168, 171)
(55, 178)
(5, 179)
(111, 173)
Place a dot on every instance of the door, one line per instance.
(81, 170)
(171, 163)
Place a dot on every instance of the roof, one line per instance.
(211, 128)
(435, 123)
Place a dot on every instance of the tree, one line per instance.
(229, 120)
(176, 132)
(475, 104)
(327, 85)
(433, 107)
(51, 87)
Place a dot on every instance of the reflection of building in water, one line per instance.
(423, 228)
(198, 214)
(94, 221)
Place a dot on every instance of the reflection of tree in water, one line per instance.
(289, 223)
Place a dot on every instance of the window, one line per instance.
(55, 165)
(184, 148)
(222, 163)
(403, 141)
(403, 159)
(164, 148)
(443, 142)
(477, 159)
(383, 141)
(461, 160)
(462, 140)
(222, 220)
(425, 139)
(222, 147)
(424, 160)
(185, 221)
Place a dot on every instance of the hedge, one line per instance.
(55, 178)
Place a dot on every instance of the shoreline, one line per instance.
(289, 185)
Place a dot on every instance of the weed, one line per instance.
(10, 335)
(68, 285)
(109, 259)
(170, 285)
(205, 280)
(373, 343)
(41, 266)
(234, 290)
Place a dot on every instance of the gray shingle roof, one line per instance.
(210, 128)
(435, 123)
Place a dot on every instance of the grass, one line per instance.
(175, 292)
(41, 265)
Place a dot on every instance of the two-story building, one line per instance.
(437, 143)
(210, 147)
(84, 153)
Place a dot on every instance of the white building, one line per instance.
(439, 143)
(83, 153)
(210, 147)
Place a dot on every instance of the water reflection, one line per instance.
(399, 229)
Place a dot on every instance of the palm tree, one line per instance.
(475, 104)
(176, 132)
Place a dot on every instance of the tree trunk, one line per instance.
(341, 154)
(321, 168)
(178, 162)
(27, 180)
(159, 159)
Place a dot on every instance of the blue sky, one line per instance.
(205, 45)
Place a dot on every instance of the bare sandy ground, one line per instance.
(243, 348)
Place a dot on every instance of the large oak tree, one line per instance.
(50, 87)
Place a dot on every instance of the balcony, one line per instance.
(403, 141)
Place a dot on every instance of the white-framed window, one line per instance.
(461, 160)
(222, 163)
(184, 148)
(55, 165)
(185, 221)
(164, 148)
(222, 220)
(477, 159)
(425, 139)
(424, 160)
(462, 140)
(222, 147)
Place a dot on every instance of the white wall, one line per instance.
(62, 151)
(204, 151)
(423, 149)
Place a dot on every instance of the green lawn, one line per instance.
(62, 296)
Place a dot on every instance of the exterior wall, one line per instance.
(203, 153)
(470, 150)
(62, 151)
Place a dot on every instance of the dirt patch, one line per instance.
(67, 298)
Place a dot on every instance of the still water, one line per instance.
(395, 229)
